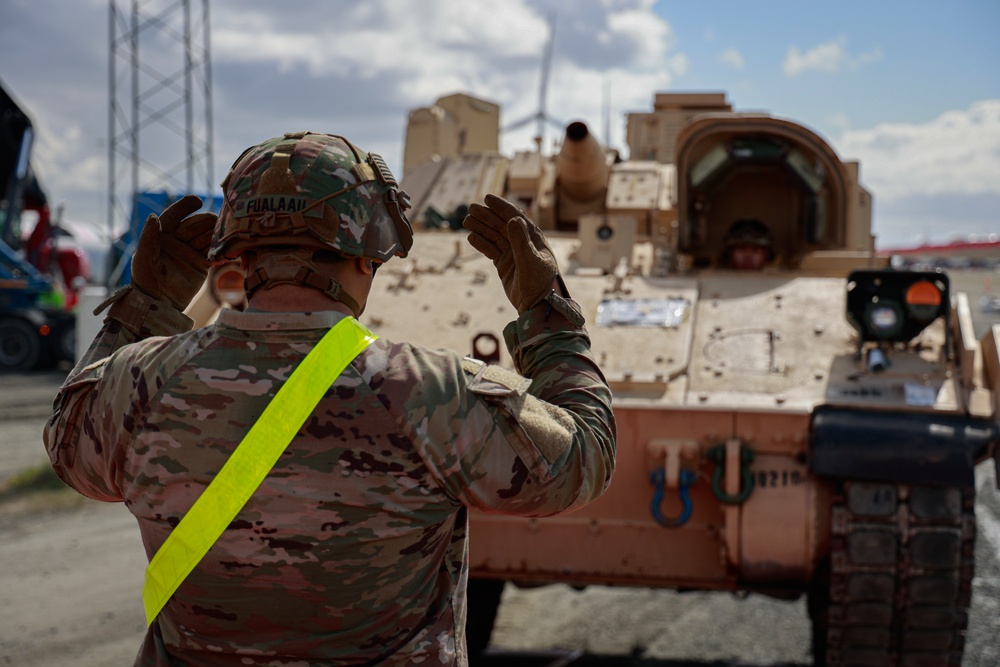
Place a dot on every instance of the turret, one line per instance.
(753, 190)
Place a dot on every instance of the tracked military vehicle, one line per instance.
(795, 417)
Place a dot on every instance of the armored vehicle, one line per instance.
(795, 417)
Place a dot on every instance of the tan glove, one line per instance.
(524, 259)
(171, 260)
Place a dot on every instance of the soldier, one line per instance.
(353, 548)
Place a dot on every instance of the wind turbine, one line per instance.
(541, 116)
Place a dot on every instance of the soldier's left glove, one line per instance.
(523, 258)
(171, 260)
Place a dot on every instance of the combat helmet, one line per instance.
(749, 245)
(311, 191)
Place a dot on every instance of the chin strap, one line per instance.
(294, 267)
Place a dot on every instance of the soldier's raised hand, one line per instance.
(523, 258)
(170, 261)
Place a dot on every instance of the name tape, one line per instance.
(276, 204)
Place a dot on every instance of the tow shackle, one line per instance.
(658, 479)
(718, 456)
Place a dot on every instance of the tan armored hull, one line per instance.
(793, 417)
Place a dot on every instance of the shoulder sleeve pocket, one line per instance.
(539, 433)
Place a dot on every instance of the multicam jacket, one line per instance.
(353, 550)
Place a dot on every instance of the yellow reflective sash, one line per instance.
(250, 462)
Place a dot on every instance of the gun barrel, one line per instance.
(581, 166)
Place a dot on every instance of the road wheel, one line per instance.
(20, 347)
(483, 597)
(898, 586)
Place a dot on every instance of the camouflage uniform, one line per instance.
(354, 549)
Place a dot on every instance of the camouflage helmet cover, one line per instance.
(312, 190)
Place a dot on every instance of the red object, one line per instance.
(73, 264)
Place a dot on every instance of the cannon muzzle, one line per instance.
(581, 167)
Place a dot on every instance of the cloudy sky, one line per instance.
(911, 88)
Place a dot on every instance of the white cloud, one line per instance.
(732, 57)
(825, 57)
(453, 46)
(638, 25)
(353, 69)
(828, 57)
(956, 153)
(380, 39)
(357, 69)
(89, 171)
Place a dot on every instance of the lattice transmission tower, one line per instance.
(160, 106)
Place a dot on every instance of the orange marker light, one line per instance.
(44, 330)
(923, 293)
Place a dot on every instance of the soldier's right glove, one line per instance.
(523, 258)
(171, 260)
